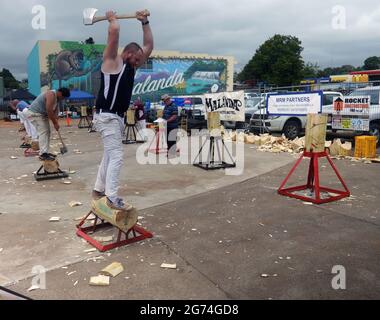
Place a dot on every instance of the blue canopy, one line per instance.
(80, 95)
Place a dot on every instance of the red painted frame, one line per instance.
(83, 232)
(313, 182)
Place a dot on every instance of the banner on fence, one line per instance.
(300, 103)
(230, 105)
(351, 113)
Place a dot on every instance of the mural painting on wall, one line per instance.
(78, 66)
(179, 77)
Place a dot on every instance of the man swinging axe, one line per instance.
(45, 108)
(117, 79)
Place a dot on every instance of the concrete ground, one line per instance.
(223, 232)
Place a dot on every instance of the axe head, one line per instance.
(88, 16)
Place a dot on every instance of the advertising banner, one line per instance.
(230, 105)
(300, 103)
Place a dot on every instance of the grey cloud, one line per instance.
(221, 27)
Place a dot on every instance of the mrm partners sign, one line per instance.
(294, 104)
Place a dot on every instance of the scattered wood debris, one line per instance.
(94, 259)
(104, 239)
(337, 148)
(32, 288)
(90, 250)
(113, 270)
(100, 281)
(73, 204)
(168, 266)
(54, 219)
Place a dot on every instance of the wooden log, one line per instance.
(51, 166)
(315, 137)
(241, 137)
(124, 220)
(334, 148)
(345, 149)
(213, 121)
(35, 146)
(250, 139)
(83, 111)
(160, 113)
(131, 120)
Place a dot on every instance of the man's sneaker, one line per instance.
(46, 157)
(25, 146)
(119, 205)
(96, 195)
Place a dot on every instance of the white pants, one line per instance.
(42, 125)
(29, 127)
(141, 129)
(111, 128)
(21, 116)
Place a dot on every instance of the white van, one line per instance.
(290, 126)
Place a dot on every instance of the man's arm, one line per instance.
(13, 105)
(174, 115)
(148, 37)
(51, 102)
(111, 52)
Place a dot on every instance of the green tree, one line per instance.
(345, 69)
(310, 70)
(278, 62)
(10, 81)
(372, 63)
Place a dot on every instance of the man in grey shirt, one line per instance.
(43, 108)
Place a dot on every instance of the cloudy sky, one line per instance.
(221, 27)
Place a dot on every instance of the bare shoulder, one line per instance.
(112, 66)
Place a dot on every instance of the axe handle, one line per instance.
(120, 16)
(60, 138)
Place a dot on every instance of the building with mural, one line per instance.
(53, 64)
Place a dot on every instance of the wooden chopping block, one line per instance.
(124, 220)
(51, 166)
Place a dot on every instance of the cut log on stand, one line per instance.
(51, 166)
(125, 220)
(316, 128)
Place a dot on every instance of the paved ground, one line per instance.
(223, 234)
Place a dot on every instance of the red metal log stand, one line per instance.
(160, 140)
(313, 182)
(133, 235)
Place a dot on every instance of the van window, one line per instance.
(328, 99)
(373, 93)
(197, 101)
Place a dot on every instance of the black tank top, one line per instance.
(115, 91)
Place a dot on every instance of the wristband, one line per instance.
(145, 23)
